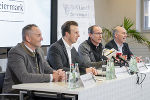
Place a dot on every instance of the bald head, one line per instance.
(120, 34)
(118, 30)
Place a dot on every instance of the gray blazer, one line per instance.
(22, 68)
(85, 52)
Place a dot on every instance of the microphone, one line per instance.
(122, 59)
(114, 58)
(109, 53)
(117, 62)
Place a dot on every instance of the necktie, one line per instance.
(37, 62)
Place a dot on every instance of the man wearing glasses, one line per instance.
(91, 50)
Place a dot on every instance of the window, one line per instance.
(143, 16)
(146, 17)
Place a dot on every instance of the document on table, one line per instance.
(121, 71)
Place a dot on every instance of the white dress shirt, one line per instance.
(68, 48)
(119, 47)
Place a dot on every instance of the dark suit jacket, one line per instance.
(58, 58)
(125, 48)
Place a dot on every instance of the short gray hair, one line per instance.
(114, 32)
(90, 29)
(26, 29)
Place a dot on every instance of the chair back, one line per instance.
(2, 76)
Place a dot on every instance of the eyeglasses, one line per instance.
(98, 33)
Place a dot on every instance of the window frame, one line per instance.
(143, 27)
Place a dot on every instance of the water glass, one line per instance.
(147, 61)
(67, 77)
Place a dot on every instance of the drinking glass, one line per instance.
(147, 61)
(67, 77)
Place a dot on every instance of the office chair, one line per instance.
(2, 76)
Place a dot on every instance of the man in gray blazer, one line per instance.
(61, 54)
(26, 63)
(91, 50)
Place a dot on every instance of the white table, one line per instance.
(123, 88)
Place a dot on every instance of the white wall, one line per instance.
(110, 13)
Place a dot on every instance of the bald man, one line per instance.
(118, 43)
(91, 50)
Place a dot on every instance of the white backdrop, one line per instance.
(15, 14)
(81, 11)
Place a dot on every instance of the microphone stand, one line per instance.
(117, 63)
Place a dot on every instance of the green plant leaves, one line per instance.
(131, 32)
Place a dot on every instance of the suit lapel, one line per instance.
(64, 49)
(72, 54)
(115, 45)
(124, 48)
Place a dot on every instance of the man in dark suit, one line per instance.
(118, 42)
(61, 54)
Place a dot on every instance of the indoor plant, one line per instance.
(131, 32)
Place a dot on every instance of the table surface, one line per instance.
(122, 88)
(62, 87)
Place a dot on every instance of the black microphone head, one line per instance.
(118, 56)
(122, 59)
(114, 58)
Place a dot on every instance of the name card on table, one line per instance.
(141, 67)
(119, 71)
(88, 80)
(147, 65)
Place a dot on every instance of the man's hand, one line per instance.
(139, 59)
(58, 75)
(91, 70)
(124, 57)
(62, 74)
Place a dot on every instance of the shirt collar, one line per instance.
(91, 44)
(66, 44)
(119, 46)
(29, 48)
